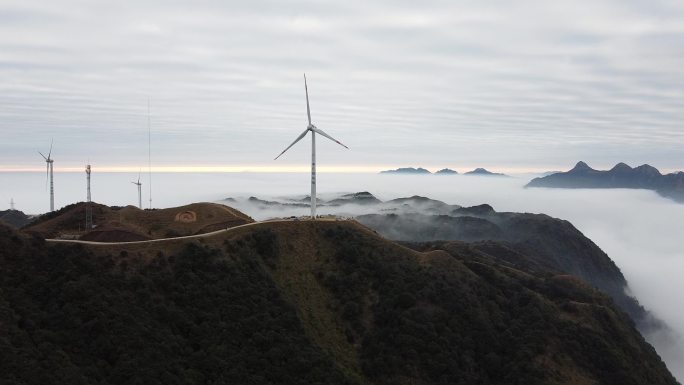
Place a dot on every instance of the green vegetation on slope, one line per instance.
(200, 317)
(298, 303)
(438, 319)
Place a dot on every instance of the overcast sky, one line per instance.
(502, 84)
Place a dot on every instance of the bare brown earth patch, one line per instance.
(186, 217)
(121, 224)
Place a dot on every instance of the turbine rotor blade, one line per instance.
(41, 154)
(308, 110)
(293, 143)
(50, 153)
(319, 131)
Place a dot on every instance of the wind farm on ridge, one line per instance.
(89, 221)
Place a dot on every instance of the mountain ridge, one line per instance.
(445, 171)
(131, 223)
(549, 242)
(303, 302)
(620, 176)
(406, 170)
(483, 172)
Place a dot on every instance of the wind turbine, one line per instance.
(314, 130)
(49, 161)
(139, 191)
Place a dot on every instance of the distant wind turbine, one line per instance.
(314, 130)
(49, 161)
(139, 191)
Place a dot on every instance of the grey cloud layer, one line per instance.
(518, 83)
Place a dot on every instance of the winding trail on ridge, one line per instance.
(195, 236)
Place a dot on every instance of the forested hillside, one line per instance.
(302, 302)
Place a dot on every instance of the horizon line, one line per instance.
(342, 169)
(261, 169)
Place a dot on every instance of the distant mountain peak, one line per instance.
(407, 170)
(446, 171)
(483, 171)
(361, 197)
(621, 167)
(360, 193)
(647, 169)
(620, 176)
(581, 166)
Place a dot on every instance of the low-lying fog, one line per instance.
(641, 231)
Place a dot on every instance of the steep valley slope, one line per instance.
(534, 242)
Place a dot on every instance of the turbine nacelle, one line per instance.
(48, 158)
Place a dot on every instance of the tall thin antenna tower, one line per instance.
(11, 203)
(89, 208)
(149, 150)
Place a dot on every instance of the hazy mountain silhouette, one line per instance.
(446, 171)
(361, 198)
(620, 176)
(483, 172)
(407, 170)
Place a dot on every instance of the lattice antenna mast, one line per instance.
(89, 207)
(149, 151)
(12, 204)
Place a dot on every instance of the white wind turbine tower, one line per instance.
(314, 130)
(139, 191)
(50, 162)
